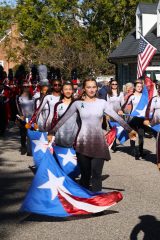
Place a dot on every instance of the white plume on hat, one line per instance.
(42, 71)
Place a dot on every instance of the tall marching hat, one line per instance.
(42, 72)
(26, 83)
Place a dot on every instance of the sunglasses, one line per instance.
(57, 85)
(114, 84)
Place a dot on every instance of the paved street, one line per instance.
(137, 216)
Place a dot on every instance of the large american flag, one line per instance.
(145, 54)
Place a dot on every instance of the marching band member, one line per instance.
(116, 99)
(3, 109)
(152, 118)
(65, 135)
(25, 106)
(114, 96)
(90, 144)
(50, 100)
(136, 122)
(153, 109)
(42, 117)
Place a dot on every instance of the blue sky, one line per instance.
(10, 2)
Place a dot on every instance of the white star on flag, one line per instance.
(141, 113)
(41, 144)
(54, 184)
(119, 129)
(69, 157)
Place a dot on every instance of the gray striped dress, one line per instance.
(91, 140)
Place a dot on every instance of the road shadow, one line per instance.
(10, 141)
(149, 226)
(113, 189)
(4, 235)
(149, 156)
(13, 187)
(42, 218)
(104, 177)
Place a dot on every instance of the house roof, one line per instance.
(148, 8)
(129, 46)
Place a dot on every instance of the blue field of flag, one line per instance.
(122, 134)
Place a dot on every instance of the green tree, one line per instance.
(55, 37)
(53, 33)
(7, 14)
(39, 18)
(109, 21)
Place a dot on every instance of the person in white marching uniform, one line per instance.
(66, 134)
(25, 106)
(48, 102)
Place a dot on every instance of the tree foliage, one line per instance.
(39, 18)
(7, 14)
(109, 21)
(71, 34)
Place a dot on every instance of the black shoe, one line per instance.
(29, 154)
(114, 149)
(142, 155)
(23, 150)
(33, 169)
(137, 157)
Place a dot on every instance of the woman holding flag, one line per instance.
(65, 135)
(48, 102)
(25, 106)
(138, 101)
(152, 119)
(116, 99)
(38, 97)
(91, 147)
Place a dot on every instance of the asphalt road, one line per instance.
(137, 216)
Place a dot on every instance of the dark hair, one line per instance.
(110, 93)
(47, 92)
(56, 80)
(137, 82)
(67, 83)
(23, 89)
(51, 87)
(88, 79)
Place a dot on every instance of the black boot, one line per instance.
(114, 146)
(134, 152)
(23, 150)
(141, 153)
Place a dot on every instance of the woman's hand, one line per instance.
(35, 126)
(132, 135)
(28, 125)
(120, 112)
(22, 118)
(146, 122)
(75, 157)
(50, 138)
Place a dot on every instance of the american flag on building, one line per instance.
(145, 53)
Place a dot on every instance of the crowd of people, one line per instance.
(78, 114)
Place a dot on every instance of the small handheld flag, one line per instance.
(121, 133)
